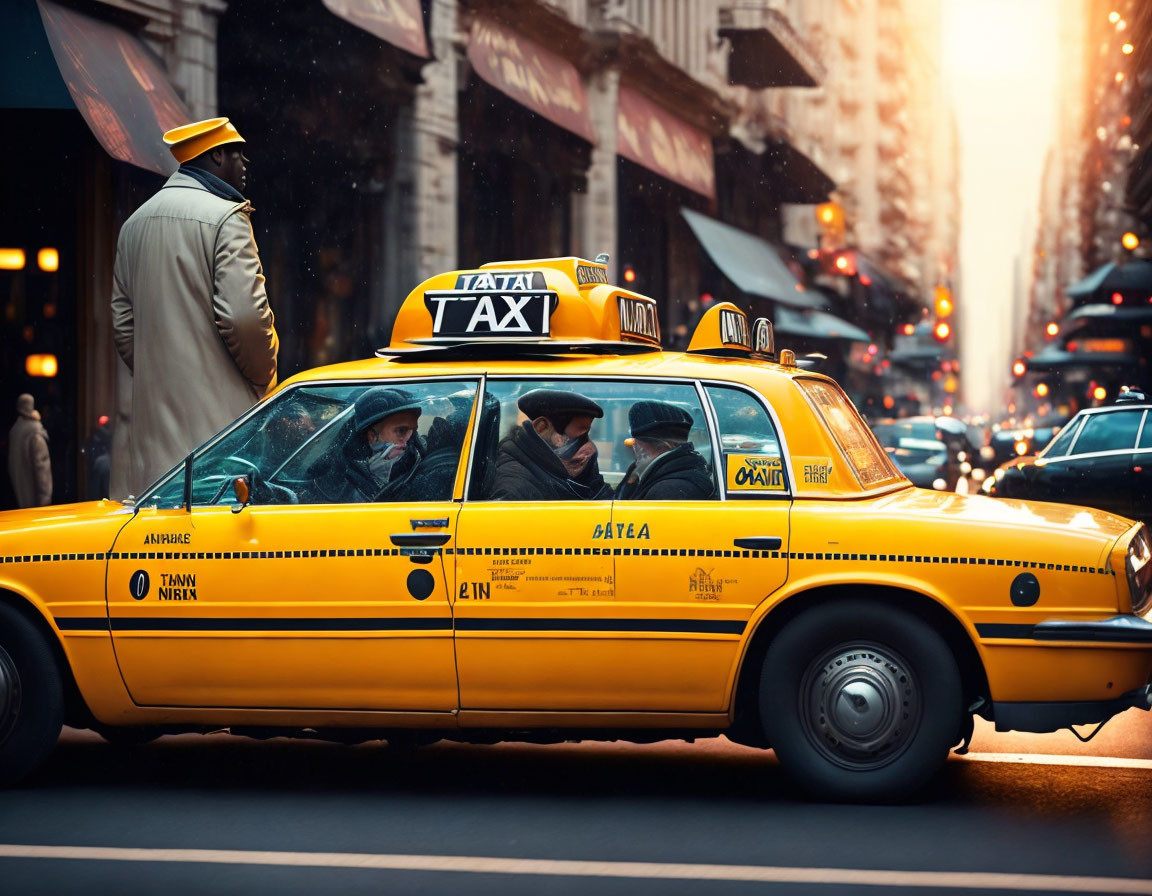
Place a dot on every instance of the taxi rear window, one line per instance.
(864, 454)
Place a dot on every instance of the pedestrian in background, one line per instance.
(29, 464)
(189, 309)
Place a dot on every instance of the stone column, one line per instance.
(594, 212)
(192, 62)
(426, 172)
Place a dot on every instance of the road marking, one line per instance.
(1053, 759)
(970, 880)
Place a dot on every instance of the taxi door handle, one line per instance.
(759, 543)
(420, 539)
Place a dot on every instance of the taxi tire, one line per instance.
(36, 698)
(806, 656)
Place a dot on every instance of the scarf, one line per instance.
(212, 183)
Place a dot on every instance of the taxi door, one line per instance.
(702, 567)
(325, 607)
(296, 600)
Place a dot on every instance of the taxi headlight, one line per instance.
(1138, 565)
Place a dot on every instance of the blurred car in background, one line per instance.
(922, 451)
(1101, 459)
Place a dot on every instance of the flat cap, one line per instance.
(658, 420)
(376, 404)
(557, 406)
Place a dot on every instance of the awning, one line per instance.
(1131, 276)
(399, 22)
(816, 325)
(118, 85)
(649, 135)
(801, 180)
(1053, 357)
(749, 262)
(766, 50)
(532, 75)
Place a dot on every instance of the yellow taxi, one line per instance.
(524, 520)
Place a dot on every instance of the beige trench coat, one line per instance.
(191, 320)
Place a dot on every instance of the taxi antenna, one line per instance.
(602, 258)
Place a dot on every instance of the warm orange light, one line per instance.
(943, 297)
(943, 331)
(1053, 329)
(629, 275)
(842, 262)
(11, 259)
(1021, 447)
(1018, 368)
(41, 365)
(1113, 17)
(1117, 298)
(1127, 49)
(813, 253)
(1041, 390)
(865, 280)
(889, 402)
(1119, 77)
(48, 259)
(951, 384)
(1099, 393)
(909, 329)
(1129, 240)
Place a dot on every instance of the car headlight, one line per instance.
(1138, 565)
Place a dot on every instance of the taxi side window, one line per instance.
(311, 446)
(752, 463)
(515, 460)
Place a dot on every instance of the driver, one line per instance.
(383, 450)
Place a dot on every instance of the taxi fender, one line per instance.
(797, 591)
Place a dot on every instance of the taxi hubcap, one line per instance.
(860, 705)
(9, 695)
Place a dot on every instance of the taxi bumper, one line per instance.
(1040, 718)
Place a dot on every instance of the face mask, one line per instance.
(568, 450)
(379, 464)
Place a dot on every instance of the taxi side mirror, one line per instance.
(242, 491)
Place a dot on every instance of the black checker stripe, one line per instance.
(549, 551)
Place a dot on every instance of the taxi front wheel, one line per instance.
(31, 697)
(861, 701)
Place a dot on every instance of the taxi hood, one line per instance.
(61, 528)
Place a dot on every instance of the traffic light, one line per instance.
(629, 274)
(942, 331)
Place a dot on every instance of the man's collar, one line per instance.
(212, 183)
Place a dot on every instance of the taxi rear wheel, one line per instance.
(860, 701)
(31, 697)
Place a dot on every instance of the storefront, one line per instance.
(86, 93)
(322, 93)
(526, 138)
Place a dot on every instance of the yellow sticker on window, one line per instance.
(754, 472)
(812, 470)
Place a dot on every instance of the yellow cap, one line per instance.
(190, 140)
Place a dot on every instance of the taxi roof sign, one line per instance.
(557, 304)
(724, 330)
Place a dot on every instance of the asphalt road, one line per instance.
(221, 814)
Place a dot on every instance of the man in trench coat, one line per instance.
(189, 311)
